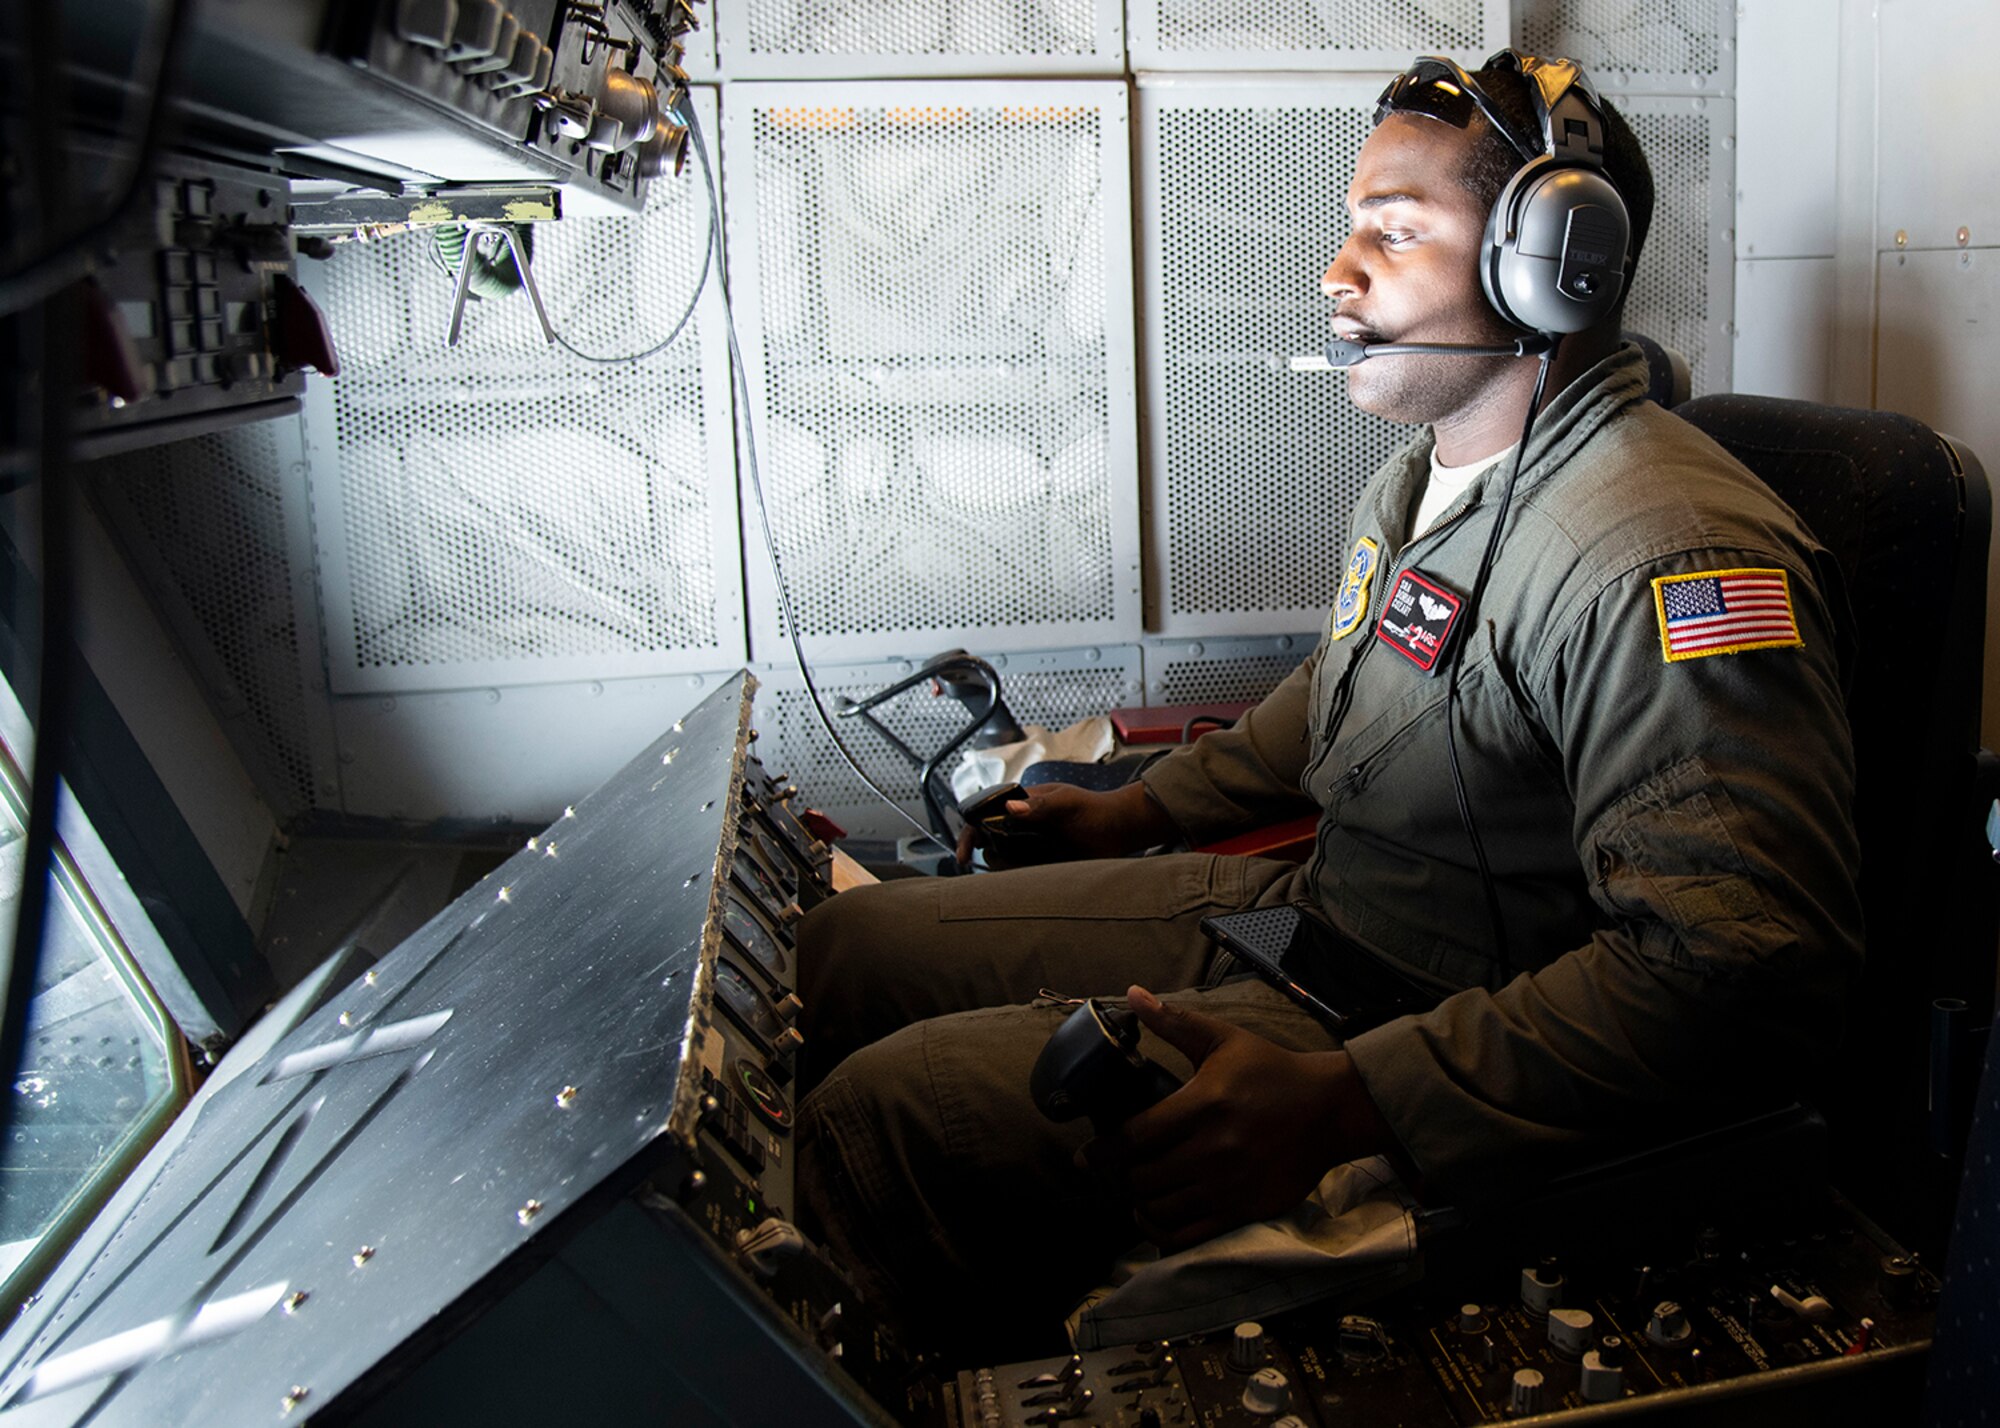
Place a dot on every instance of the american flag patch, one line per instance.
(1723, 611)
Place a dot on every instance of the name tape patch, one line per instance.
(1418, 620)
(1713, 612)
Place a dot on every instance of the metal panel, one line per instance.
(1053, 688)
(1311, 34)
(401, 1157)
(919, 39)
(1218, 671)
(1684, 293)
(514, 754)
(1786, 328)
(1253, 467)
(1935, 121)
(503, 512)
(1637, 46)
(1789, 123)
(933, 287)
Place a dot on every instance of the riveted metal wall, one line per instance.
(799, 39)
(934, 283)
(504, 511)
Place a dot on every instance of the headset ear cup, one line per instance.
(1555, 248)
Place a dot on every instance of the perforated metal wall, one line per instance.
(1310, 34)
(1053, 688)
(798, 39)
(1684, 292)
(934, 293)
(1650, 46)
(1218, 671)
(204, 522)
(504, 512)
(1253, 467)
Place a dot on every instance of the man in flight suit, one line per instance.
(1649, 729)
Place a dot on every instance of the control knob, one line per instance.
(1268, 1393)
(1525, 1396)
(1569, 1331)
(1599, 1381)
(1541, 1287)
(1246, 1346)
(1669, 1327)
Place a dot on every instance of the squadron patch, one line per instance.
(1418, 619)
(1351, 605)
(1714, 612)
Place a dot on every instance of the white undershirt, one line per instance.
(1446, 485)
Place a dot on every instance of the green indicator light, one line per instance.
(750, 1205)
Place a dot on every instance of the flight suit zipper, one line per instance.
(1343, 693)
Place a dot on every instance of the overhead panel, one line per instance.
(1253, 467)
(1310, 34)
(933, 288)
(505, 511)
(795, 39)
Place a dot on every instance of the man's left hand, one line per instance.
(1247, 1138)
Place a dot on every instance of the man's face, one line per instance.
(1409, 272)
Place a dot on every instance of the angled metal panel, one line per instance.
(1684, 293)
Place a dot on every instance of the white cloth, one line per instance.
(1356, 1236)
(1087, 741)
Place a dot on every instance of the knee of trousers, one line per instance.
(854, 951)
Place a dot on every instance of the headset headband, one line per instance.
(1571, 130)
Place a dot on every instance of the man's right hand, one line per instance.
(1070, 822)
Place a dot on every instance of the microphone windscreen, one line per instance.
(1342, 353)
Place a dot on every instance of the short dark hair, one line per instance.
(1493, 160)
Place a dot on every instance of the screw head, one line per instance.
(1964, 236)
(527, 1212)
(294, 1396)
(293, 1300)
(566, 1097)
(1902, 238)
(363, 1255)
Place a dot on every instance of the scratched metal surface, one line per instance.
(394, 1155)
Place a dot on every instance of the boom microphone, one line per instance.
(1342, 353)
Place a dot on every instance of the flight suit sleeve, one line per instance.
(1247, 776)
(1713, 797)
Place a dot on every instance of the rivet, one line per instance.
(534, 843)
(294, 1300)
(678, 726)
(569, 812)
(708, 805)
(363, 1255)
(1964, 236)
(668, 756)
(528, 1211)
(1902, 239)
(550, 851)
(371, 977)
(693, 878)
(566, 1097)
(347, 1018)
(293, 1397)
(506, 894)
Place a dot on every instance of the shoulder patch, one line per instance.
(1713, 612)
(1351, 605)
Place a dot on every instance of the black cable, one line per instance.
(64, 259)
(741, 381)
(1471, 617)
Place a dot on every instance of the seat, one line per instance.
(1906, 516)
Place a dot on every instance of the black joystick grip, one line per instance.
(1092, 1067)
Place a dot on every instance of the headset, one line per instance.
(1556, 253)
